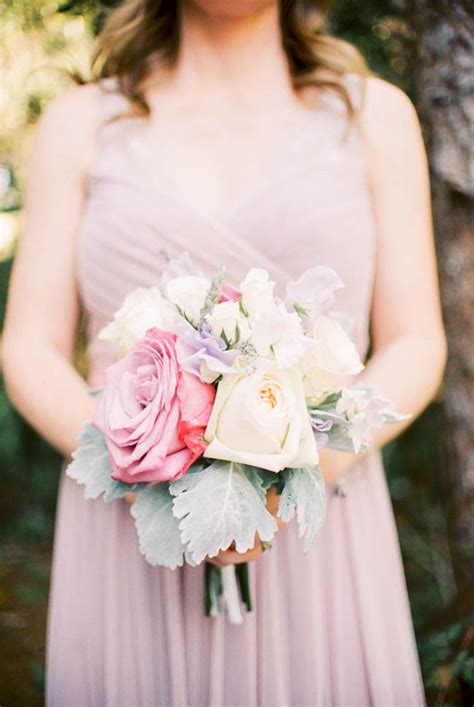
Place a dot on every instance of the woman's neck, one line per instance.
(221, 53)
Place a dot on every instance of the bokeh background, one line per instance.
(425, 47)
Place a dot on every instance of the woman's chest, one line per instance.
(214, 162)
(316, 211)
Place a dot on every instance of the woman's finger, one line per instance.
(232, 557)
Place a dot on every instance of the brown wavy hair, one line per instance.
(139, 34)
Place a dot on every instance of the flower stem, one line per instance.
(212, 589)
(242, 572)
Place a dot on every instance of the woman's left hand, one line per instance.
(336, 465)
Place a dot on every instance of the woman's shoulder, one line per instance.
(74, 107)
(387, 124)
(391, 132)
(375, 97)
(68, 127)
(385, 99)
(387, 114)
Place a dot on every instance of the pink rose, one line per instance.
(229, 293)
(152, 413)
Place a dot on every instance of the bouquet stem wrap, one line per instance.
(230, 593)
(232, 585)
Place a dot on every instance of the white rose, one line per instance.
(141, 309)
(261, 420)
(188, 293)
(227, 321)
(257, 292)
(328, 362)
(279, 334)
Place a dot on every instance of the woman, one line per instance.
(260, 148)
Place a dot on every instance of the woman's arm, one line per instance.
(409, 345)
(42, 310)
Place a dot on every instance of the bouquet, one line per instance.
(219, 396)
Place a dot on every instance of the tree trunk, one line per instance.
(443, 68)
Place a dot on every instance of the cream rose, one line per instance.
(227, 321)
(262, 420)
(188, 293)
(256, 292)
(141, 309)
(328, 362)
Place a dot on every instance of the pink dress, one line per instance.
(329, 628)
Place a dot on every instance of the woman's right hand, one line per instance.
(231, 557)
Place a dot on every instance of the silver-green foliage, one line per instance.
(157, 528)
(91, 467)
(220, 504)
(304, 493)
(206, 510)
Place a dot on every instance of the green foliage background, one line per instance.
(39, 40)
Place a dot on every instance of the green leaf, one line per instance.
(91, 466)
(221, 504)
(300, 310)
(329, 403)
(304, 492)
(242, 309)
(224, 338)
(157, 528)
(466, 671)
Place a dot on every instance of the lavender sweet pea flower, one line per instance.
(201, 353)
(361, 425)
(313, 292)
(321, 427)
(364, 410)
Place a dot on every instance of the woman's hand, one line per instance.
(231, 556)
(336, 465)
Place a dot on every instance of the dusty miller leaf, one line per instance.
(91, 467)
(304, 493)
(221, 504)
(339, 437)
(157, 528)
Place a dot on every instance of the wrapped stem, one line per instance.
(230, 593)
(232, 584)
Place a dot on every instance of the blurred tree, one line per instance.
(443, 71)
(442, 66)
